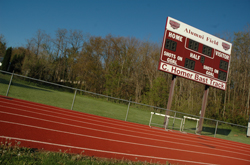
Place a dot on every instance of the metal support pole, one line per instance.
(73, 100)
(170, 98)
(216, 128)
(10, 83)
(128, 109)
(203, 109)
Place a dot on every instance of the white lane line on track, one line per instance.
(218, 141)
(119, 128)
(126, 142)
(141, 137)
(104, 151)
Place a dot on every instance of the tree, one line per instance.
(88, 66)
(17, 62)
(2, 46)
(158, 94)
(6, 60)
(75, 41)
(61, 45)
(240, 75)
(37, 55)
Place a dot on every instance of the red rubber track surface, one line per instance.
(56, 129)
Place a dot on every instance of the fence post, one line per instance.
(128, 109)
(73, 100)
(10, 83)
(216, 128)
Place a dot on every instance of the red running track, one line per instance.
(56, 129)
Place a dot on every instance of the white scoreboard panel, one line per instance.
(194, 54)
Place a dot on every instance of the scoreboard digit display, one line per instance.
(193, 54)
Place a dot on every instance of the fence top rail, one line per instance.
(122, 99)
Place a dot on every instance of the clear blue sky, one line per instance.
(143, 19)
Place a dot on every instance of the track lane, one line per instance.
(52, 136)
(80, 140)
(134, 126)
(113, 121)
(198, 142)
(116, 136)
(143, 130)
(102, 153)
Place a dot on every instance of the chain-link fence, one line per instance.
(26, 88)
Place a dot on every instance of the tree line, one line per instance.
(125, 67)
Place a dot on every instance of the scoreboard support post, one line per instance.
(203, 109)
(170, 98)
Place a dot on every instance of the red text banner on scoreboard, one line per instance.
(196, 55)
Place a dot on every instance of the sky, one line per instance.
(142, 19)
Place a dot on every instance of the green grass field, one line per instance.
(61, 97)
(12, 154)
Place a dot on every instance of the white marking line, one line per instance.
(119, 141)
(104, 151)
(140, 137)
(215, 140)
(114, 127)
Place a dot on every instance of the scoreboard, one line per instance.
(193, 54)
